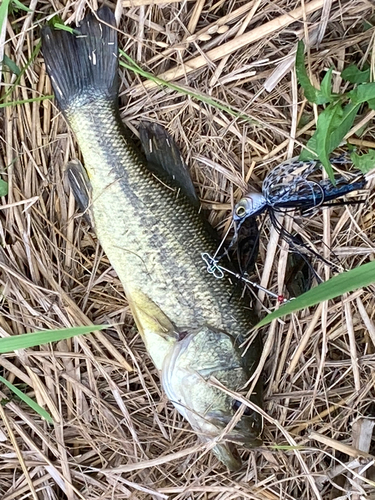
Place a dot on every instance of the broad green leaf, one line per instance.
(347, 281)
(365, 163)
(312, 94)
(11, 65)
(328, 121)
(371, 103)
(363, 93)
(349, 112)
(3, 188)
(9, 344)
(30, 402)
(337, 131)
(354, 75)
(307, 155)
(326, 86)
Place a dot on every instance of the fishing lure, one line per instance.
(295, 185)
(291, 185)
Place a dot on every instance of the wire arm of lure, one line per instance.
(218, 271)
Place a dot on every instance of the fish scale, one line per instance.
(130, 245)
(128, 241)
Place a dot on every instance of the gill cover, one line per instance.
(187, 373)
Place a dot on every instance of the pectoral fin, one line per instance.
(81, 187)
(157, 331)
(150, 315)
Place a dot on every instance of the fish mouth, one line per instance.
(228, 455)
(212, 426)
(248, 441)
(226, 451)
(246, 432)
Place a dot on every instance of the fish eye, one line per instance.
(240, 210)
(236, 404)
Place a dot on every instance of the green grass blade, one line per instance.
(15, 103)
(30, 402)
(344, 282)
(22, 71)
(133, 66)
(11, 65)
(3, 188)
(63, 27)
(19, 5)
(3, 12)
(10, 344)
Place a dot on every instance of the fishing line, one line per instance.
(218, 271)
(223, 241)
(294, 244)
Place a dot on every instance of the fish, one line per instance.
(147, 217)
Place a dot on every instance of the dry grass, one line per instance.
(115, 435)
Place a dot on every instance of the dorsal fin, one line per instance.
(164, 158)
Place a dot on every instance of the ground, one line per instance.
(114, 434)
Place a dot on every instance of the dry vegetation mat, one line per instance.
(237, 112)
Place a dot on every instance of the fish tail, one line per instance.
(83, 65)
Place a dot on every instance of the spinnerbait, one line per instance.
(294, 185)
(290, 186)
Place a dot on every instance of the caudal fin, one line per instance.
(83, 65)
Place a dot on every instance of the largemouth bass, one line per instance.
(146, 215)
